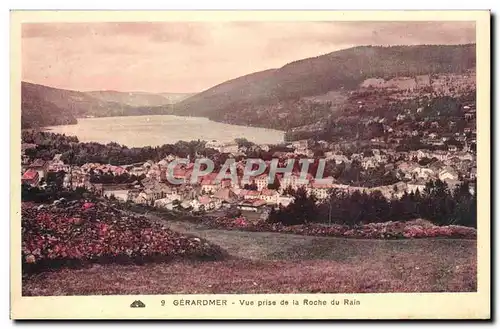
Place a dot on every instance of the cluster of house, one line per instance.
(451, 165)
(35, 173)
(211, 194)
(223, 147)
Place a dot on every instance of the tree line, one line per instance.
(436, 203)
(78, 153)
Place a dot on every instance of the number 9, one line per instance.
(162, 303)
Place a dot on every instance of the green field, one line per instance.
(262, 262)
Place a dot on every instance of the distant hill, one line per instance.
(176, 97)
(37, 111)
(138, 99)
(245, 89)
(300, 93)
(46, 106)
(270, 92)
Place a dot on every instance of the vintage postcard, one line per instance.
(250, 165)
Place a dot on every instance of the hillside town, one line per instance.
(446, 154)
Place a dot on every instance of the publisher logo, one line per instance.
(137, 303)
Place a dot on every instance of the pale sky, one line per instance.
(192, 57)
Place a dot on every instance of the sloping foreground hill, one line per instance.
(79, 233)
(259, 262)
(341, 70)
(265, 262)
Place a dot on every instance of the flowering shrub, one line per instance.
(83, 233)
(87, 205)
(240, 221)
(388, 230)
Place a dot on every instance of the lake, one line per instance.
(154, 130)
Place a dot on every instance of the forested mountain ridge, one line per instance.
(275, 98)
(283, 98)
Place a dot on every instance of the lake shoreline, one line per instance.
(157, 130)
